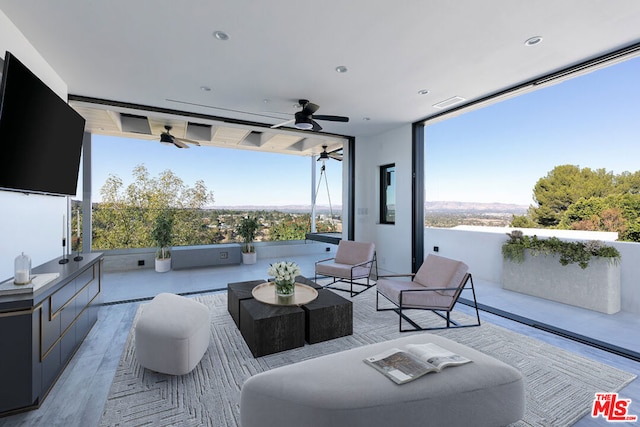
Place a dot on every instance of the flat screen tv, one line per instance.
(40, 135)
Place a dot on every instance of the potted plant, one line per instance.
(247, 230)
(161, 235)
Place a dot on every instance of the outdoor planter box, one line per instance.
(596, 287)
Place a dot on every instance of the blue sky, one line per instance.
(497, 154)
(236, 177)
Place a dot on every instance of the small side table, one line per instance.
(237, 292)
(270, 329)
(327, 317)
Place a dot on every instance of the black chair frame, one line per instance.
(350, 280)
(444, 313)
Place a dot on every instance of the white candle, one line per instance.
(22, 277)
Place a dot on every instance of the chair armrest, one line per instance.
(325, 260)
(429, 289)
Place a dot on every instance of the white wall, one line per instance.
(393, 241)
(30, 224)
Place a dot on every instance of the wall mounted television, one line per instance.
(40, 135)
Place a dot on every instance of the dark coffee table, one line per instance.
(270, 329)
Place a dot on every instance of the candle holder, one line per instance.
(64, 259)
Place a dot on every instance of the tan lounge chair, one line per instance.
(436, 286)
(353, 261)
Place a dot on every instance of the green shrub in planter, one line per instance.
(569, 252)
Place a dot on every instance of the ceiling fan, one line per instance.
(331, 155)
(167, 138)
(304, 119)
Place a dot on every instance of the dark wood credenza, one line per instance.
(41, 329)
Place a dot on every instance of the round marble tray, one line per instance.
(302, 294)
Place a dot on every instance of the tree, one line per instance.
(628, 183)
(522, 221)
(564, 186)
(616, 212)
(125, 217)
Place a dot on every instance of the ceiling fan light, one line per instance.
(304, 123)
(165, 138)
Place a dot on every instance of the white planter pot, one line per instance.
(249, 258)
(163, 265)
(596, 287)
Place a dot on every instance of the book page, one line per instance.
(399, 365)
(436, 355)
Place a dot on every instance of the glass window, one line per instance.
(130, 178)
(388, 194)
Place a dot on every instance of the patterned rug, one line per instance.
(560, 386)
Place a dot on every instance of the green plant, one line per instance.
(161, 234)
(247, 229)
(569, 252)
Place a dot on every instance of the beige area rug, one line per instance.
(560, 386)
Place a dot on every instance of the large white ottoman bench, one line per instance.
(172, 334)
(341, 390)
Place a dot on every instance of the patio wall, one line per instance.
(127, 259)
(481, 249)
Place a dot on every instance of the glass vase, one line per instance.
(22, 266)
(285, 288)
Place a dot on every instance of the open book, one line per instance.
(402, 366)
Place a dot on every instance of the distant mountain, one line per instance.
(449, 206)
(280, 208)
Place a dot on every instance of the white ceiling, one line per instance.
(160, 53)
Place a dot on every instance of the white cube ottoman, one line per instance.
(172, 334)
(341, 390)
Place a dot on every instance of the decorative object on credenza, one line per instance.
(78, 257)
(22, 266)
(64, 258)
(284, 274)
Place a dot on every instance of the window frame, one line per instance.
(384, 185)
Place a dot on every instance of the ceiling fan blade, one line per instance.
(179, 143)
(283, 123)
(316, 126)
(190, 141)
(332, 118)
(308, 108)
(334, 156)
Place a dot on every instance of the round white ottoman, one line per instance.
(172, 334)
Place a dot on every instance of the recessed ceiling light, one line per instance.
(221, 35)
(533, 41)
(423, 92)
(341, 69)
(205, 88)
